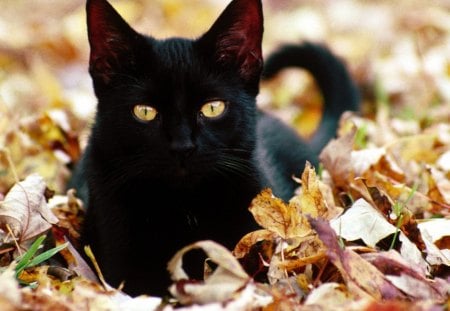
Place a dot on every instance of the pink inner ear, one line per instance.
(105, 27)
(109, 37)
(239, 36)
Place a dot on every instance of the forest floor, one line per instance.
(389, 167)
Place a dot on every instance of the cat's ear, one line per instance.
(111, 40)
(235, 38)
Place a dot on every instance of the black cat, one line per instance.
(178, 148)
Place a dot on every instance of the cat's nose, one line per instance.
(181, 142)
(182, 149)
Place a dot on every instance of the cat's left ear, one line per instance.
(235, 38)
(111, 39)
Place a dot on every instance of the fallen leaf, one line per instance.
(310, 200)
(273, 214)
(408, 277)
(362, 278)
(25, 209)
(336, 160)
(223, 284)
(244, 245)
(362, 221)
(10, 295)
(441, 185)
(416, 148)
(53, 132)
(434, 230)
(333, 294)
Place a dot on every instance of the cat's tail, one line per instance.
(339, 92)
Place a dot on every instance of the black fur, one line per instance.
(152, 188)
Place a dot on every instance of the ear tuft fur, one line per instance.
(236, 38)
(110, 38)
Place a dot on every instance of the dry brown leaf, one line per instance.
(414, 201)
(222, 285)
(311, 199)
(293, 256)
(10, 295)
(246, 242)
(407, 53)
(30, 158)
(441, 185)
(368, 162)
(408, 277)
(362, 221)
(336, 158)
(52, 131)
(360, 276)
(418, 148)
(25, 209)
(333, 294)
(433, 231)
(275, 215)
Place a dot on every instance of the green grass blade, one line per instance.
(29, 254)
(46, 255)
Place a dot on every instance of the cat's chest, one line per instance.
(200, 212)
(213, 197)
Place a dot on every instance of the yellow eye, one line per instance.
(213, 109)
(144, 113)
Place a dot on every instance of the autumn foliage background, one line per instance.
(390, 162)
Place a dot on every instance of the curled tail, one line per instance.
(339, 92)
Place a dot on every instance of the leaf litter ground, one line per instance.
(369, 229)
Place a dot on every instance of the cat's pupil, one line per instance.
(213, 109)
(144, 113)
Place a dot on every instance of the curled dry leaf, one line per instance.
(273, 214)
(70, 211)
(362, 278)
(28, 157)
(297, 245)
(250, 239)
(440, 186)
(222, 285)
(413, 201)
(408, 277)
(25, 209)
(315, 197)
(362, 221)
(336, 160)
(331, 294)
(436, 234)
(418, 148)
(52, 131)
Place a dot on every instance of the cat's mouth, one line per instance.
(185, 173)
(181, 171)
(184, 177)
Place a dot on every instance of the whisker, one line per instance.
(236, 165)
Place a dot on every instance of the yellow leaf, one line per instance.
(275, 215)
(419, 148)
(244, 245)
(228, 278)
(310, 200)
(47, 82)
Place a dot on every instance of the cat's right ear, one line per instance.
(111, 40)
(235, 39)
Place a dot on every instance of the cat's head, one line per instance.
(176, 107)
